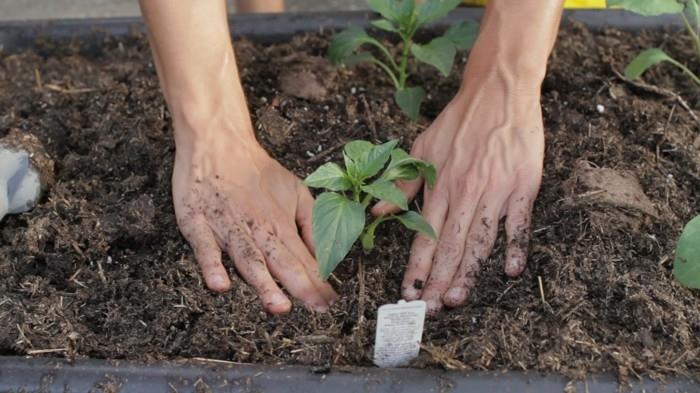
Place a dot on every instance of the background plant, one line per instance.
(686, 266)
(689, 12)
(339, 213)
(405, 18)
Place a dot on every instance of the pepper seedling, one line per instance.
(339, 213)
(689, 12)
(405, 18)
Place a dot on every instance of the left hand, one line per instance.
(488, 148)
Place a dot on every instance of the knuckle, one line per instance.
(447, 251)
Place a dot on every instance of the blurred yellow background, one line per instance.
(567, 4)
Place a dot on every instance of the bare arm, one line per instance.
(228, 193)
(488, 146)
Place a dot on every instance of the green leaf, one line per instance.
(370, 162)
(693, 9)
(355, 149)
(384, 24)
(397, 11)
(648, 7)
(329, 176)
(337, 223)
(686, 266)
(351, 154)
(644, 60)
(409, 100)
(386, 8)
(431, 10)
(346, 42)
(416, 222)
(405, 167)
(385, 190)
(357, 58)
(462, 35)
(439, 53)
(406, 9)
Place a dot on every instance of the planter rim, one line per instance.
(59, 375)
(22, 34)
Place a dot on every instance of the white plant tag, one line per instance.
(399, 333)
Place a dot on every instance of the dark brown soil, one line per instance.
(99, 269)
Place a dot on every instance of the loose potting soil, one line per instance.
(98, 268)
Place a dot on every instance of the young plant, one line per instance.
(339, 213)
(405, 18)
(686, 266)
(688, 10)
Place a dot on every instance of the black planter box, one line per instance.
(20, 374)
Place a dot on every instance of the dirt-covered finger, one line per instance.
(304, 214)
(207, 253)
(518, 222)
(297, 247)
(448, 254)
(423, 247)
(480, 240)
(250, 262)
(289, 269)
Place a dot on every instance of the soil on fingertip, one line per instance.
(98, 268)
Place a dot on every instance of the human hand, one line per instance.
(230, 195)
(488, 147)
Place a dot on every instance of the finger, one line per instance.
(423, 247)
(250, 263)
(518, 232)
(482, 236)
(288, 269)
(409, 188)
(208, 254)
(448, 253)
(298, 248)
(305, 207)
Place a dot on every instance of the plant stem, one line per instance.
(386, 53)
(692, 32)
(403, 74)
(366, 201)
(686, 70)
(386, 68)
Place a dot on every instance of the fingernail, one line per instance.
(455, 296)
(514, 267)
(277, 299)
(410, 293)
(218, 282)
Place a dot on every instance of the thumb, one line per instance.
(305, 206)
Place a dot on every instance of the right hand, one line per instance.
(229, 194)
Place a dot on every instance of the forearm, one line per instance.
(515, 41)
(197, 68)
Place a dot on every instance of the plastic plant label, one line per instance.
(399, 333)
(19, 183)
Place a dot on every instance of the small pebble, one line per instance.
(353, 90)
(264, 100)
(600, 108)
